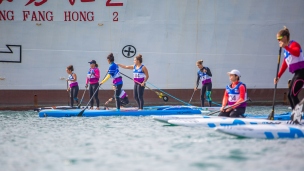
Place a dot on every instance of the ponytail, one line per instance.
(284, 32)
(70, 67)
(139, 58)
(111, 57)
(200, 62)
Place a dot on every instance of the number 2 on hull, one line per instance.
(115, 14)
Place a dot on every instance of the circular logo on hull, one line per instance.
(129, 51)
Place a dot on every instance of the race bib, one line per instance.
(233, 97)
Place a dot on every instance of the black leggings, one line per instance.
(74, 94)
(295, 87)
(93, 88)
(234, 113)
(116, 95)
(138, 95)
(206, 87)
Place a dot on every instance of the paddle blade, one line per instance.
(271, 115)
(81, 112)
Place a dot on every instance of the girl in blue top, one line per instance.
(113, 73)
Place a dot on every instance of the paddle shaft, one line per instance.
(170, 95)
(93, 96)
(211, 102)
(83, 94)
(81, 112)
(82, 97)
(227, 107)
(139, 83)
(192, 95)
(68, 93)
(271, 115)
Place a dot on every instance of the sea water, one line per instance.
(30, 143)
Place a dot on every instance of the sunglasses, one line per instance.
(280, 38)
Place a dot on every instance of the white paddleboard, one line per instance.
(264, 131)
(221, 121)
(166, 118)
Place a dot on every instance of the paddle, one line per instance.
(83, 93)
(211, 102)
(82, 111)
(230, 106)
(82, 98)
(271, 115)
(169, 94)
(216, 103)
(192, 95)
(160, 95)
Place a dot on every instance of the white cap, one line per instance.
(234, 71)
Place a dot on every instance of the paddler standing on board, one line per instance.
(93, 78)
(141, 75)
(113, 73)
(234, 96)
(73, 84)
(204, 74)
(294, 60)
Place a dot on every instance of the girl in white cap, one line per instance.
(235, 95)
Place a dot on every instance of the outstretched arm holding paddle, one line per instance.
(231, 106)
(141, 75)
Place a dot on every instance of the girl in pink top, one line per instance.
(93, 79)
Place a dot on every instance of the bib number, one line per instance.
(136, 75)
(232, 98)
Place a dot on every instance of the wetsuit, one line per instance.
(139, 77)
(113, 72)
(235, 93)
(206, 85)
(74, 88)
(93, 78)
(294, 60)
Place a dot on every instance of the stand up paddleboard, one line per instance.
(222, 121)
(291, 129)
(94, 113)
(264, 131)
(203, 109)
(166, 118)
